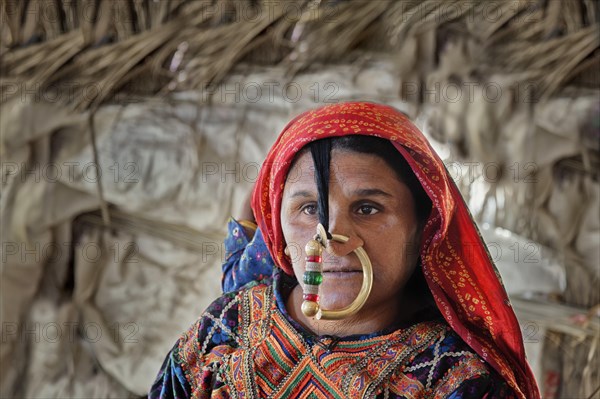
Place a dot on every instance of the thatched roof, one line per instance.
(86, 52)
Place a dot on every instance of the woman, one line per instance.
(437, 322)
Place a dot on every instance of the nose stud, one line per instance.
(313, 277)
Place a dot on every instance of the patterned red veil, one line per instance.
(458, 269)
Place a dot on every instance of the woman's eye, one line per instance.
(367, 210)
(309, 209)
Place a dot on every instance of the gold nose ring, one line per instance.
(313, 277)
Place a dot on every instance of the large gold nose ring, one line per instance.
(313, 277)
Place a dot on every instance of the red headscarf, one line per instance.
(462, 278)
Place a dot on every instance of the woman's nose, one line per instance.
(341, 224)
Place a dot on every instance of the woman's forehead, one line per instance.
(344, 164)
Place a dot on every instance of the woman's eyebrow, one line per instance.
(370, 192)
(301, 193)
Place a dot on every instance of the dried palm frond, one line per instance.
(547, 64)
(545, 45)
(91, 50)
(318, 36)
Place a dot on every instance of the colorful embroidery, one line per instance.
(263, 356)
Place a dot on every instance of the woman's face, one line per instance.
(366, 201)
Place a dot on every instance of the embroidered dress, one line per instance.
(246, 345)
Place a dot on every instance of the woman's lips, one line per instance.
(341, 270)
(341, 273)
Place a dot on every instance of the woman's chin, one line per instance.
(337, 295)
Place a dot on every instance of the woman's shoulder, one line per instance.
(198, 353)
(445, 352)
(448, 366)
(220, 323)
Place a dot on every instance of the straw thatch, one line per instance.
(85, 53)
